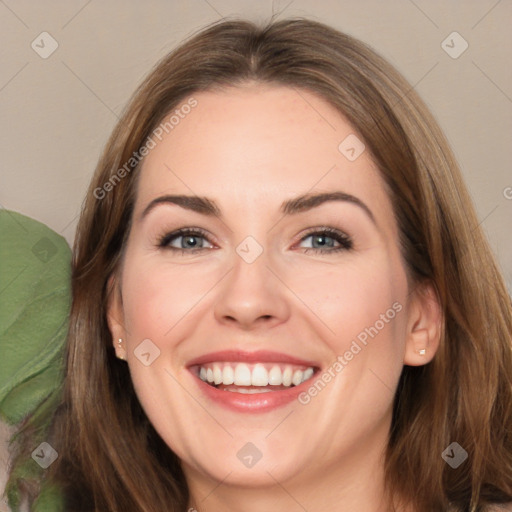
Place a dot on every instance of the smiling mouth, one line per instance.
(245, 378)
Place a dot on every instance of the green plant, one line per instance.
(35, 266)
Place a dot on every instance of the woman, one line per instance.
(282, 299)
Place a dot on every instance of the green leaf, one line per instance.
(50, 499)
(35, 265)
(35, 295)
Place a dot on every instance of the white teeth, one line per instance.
(287, 376)
(297, 377)
(308, 374)
(242, 375)
(258, 375)
(217, 374)
(228, 375)
(275, 377)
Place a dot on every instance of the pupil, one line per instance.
(190, 241)
(321, 239)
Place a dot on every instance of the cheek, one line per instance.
(359, 306)
(158, 296)
(354, 297)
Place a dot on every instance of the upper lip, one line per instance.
(258, 356)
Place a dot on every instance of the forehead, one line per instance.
(254, 143)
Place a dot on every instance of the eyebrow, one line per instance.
(299, 204)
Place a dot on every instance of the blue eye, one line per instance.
(191, 240)
(324, 240)
(327, 238)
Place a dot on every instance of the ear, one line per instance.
(115, 317)
(424, 325)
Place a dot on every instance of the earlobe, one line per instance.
(424, 327)
(115, 317)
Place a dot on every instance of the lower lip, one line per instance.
(254, 402)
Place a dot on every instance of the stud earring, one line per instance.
(422, 352)
(119, 345)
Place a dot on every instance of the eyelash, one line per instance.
(344, 240)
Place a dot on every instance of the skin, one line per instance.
(249, 149)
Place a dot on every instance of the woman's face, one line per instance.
(267, 279)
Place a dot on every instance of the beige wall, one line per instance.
(57, 112)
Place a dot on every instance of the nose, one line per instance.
(252, 296)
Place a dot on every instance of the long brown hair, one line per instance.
(112, 459)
